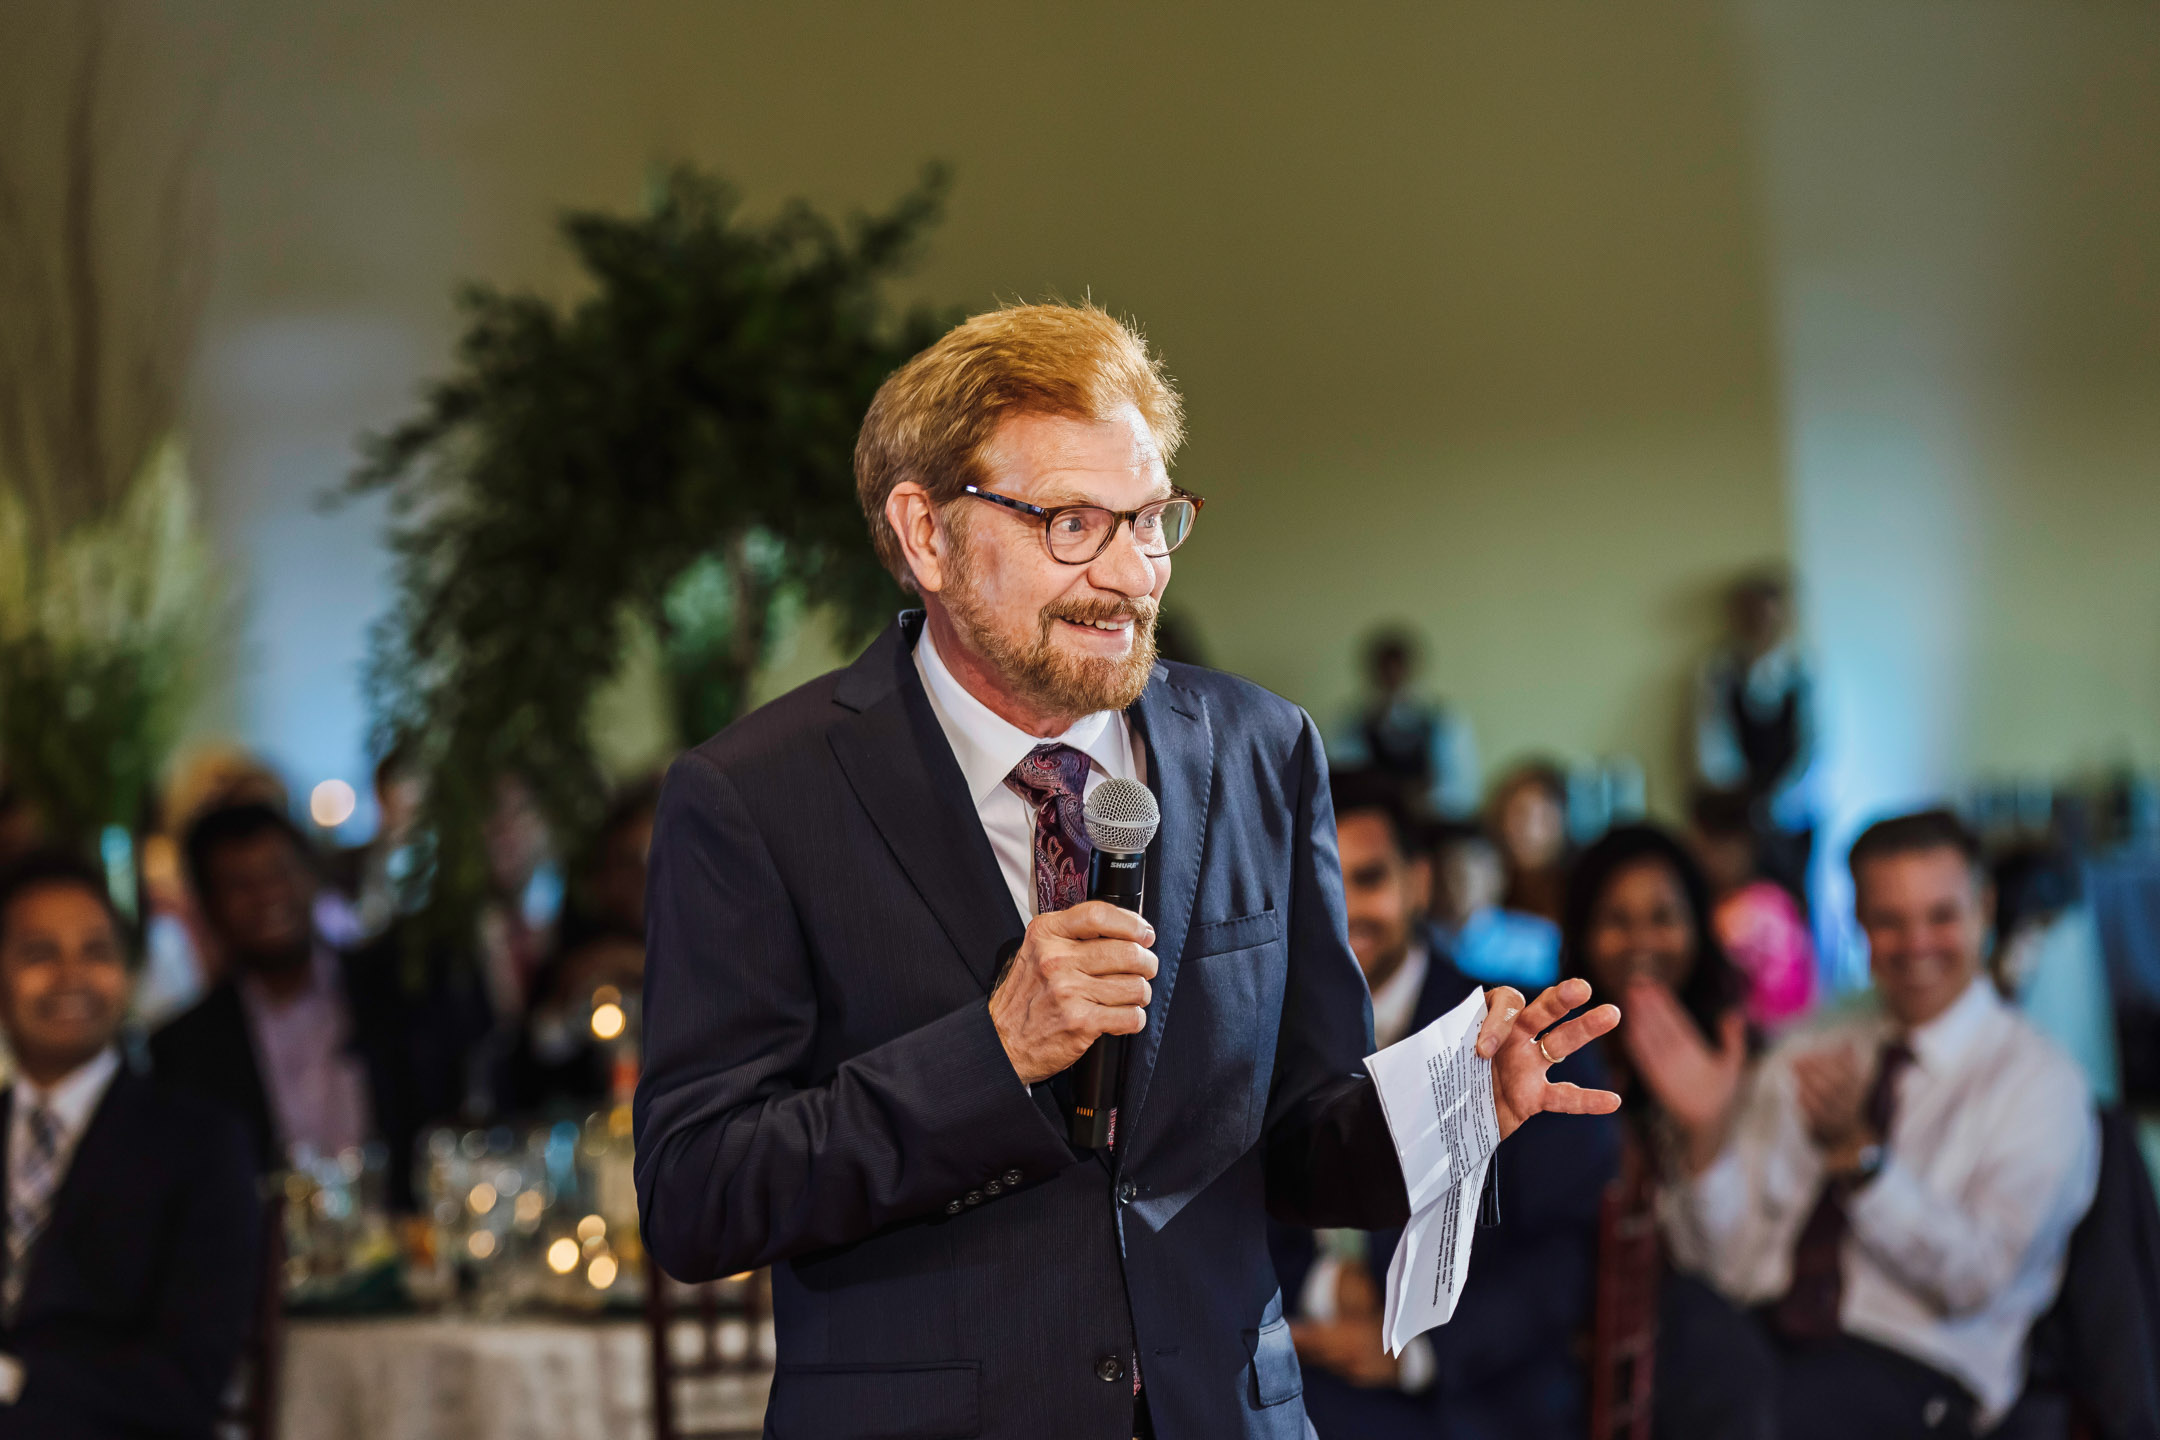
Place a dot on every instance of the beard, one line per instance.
(1046, 674)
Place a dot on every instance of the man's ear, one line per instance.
(1420, 882)
(924, 542)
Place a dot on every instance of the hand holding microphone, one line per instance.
(1083, 973)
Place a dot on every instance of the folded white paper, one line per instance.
(1438, 1098)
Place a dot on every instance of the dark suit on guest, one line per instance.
(142, 1284)
(416, 1044)
(825, 1093)
(1506, 1364)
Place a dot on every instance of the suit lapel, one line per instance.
(1181, 771)
(901, 767)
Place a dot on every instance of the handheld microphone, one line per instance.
(1121, 818)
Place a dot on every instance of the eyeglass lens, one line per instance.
(1083, 532)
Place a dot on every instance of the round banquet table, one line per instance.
(411, 1378)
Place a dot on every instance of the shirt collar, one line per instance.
(72, 1100)
(988, 746)
(1939, 1043)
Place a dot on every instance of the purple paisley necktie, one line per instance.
(1053, 780)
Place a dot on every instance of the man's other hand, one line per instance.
(1509, 1038)
(1079, 973)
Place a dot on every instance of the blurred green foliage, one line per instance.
(673, 448)
(101, 633)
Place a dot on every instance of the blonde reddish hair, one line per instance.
(933, 418)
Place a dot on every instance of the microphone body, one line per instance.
(1098, 1077)
(1121, 818)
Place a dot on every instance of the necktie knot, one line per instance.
(1053, 779)
(1050, 770)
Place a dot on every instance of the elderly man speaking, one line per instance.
(872, 963)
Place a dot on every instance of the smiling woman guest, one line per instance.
(1638, 928)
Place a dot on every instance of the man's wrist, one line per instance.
(1854, 1161)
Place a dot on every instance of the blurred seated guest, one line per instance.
(1421, 741)
(600, 952)
(2047, 962)
(128, 1278)
(316, 1051)
(1491, 945)
(206, 777)
(1758, 922)
(372, 875)
(524, 896)
(1897, 1189)
(1527, 817)
(170, 977)
(1638, 920)
(1505, 1365)
(1755, 723)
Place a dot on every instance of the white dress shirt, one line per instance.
(988, 746)
(1394, 1004)
(72, 1102)
(1957, 1245)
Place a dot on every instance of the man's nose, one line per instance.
(1123, 567)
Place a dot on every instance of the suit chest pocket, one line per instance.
(1219, 1039)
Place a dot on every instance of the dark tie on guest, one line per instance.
(37, 1175)
(1053, 779)
(1809, 1308)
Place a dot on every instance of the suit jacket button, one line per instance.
(991, 1187)
(1012, 1178)
(953, 1208)
(1126, 1192)
(1109, 1368)
(973, 1197)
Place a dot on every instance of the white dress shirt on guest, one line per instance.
(317, 1087)
(1394, 1004)
(1957, 1245)
(72, 1102)
(988, 747)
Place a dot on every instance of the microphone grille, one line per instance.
(1121, 816)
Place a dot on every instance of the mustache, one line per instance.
(1140, 611)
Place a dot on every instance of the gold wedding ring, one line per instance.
(1549, 1060)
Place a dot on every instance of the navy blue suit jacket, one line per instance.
(824, 1091)
(142, 1286)
(1511, 1348)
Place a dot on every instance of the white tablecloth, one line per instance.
(463, 1379)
